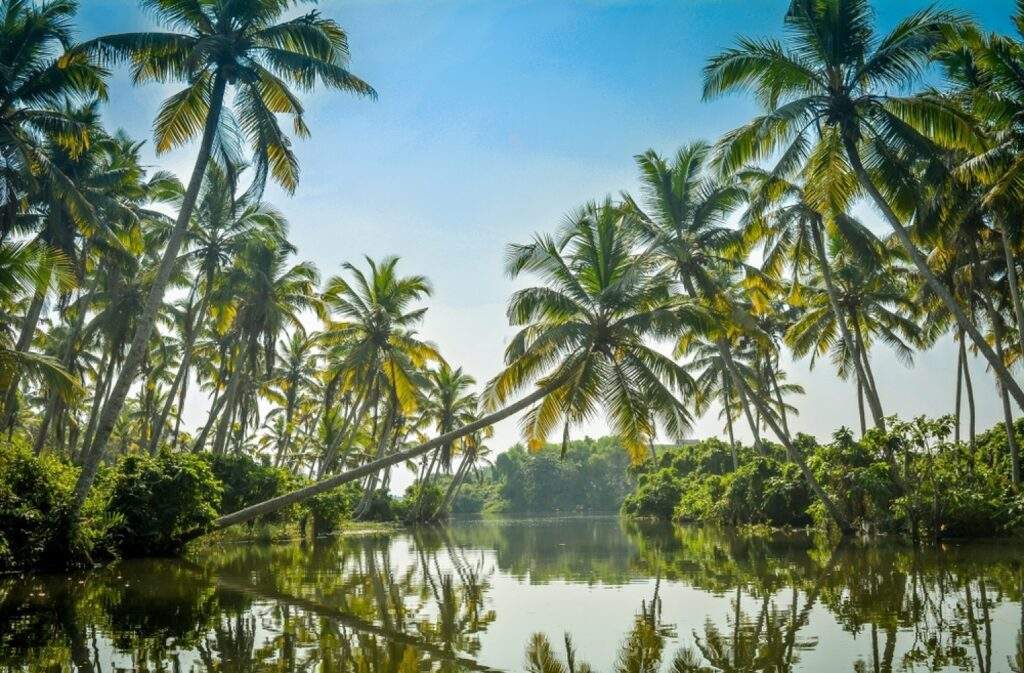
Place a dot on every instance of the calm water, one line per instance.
(470, 597)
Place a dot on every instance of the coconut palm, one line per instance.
(583, 342)
(373, 322)
(242, 45)
(264, 296)
(294, 373)
(223, 223)
(793, 234)
(828, 92)
(876, 301)
(40, 77)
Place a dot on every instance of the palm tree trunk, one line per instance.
(1011, 279)
(347, 431)
(102, 383)
(454, 487)
(794, 455)
(211, 420)
(181, 378)
(933, 281)
(969, 388)
(833, 297)
(231, 399)
(860, 408)
(137, 350)
(289, 412)
(1011, 436)
(861, 354)
(960, 364)
(303, 494)
(728, 421)
(741, 389)
(774, 382)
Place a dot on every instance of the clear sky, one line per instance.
(497, 117)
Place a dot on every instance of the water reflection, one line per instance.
(451, 599)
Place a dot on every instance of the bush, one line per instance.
(656, 495)
(36, 505)
(160, 502)
(420, 503)
(766, 491)
(247, 482)
(329, 509)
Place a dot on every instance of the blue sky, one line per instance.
(496, 118)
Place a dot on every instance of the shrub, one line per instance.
(36, 504)
(329, 509)
(160, 501)
(420, 503)
(656, 495)
(247, 482)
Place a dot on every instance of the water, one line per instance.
(470, 597)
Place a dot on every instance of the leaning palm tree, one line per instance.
(583, 343)
(828, 95)
(243, 45)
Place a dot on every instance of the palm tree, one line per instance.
(223, 223)
(380, 352)
(264, 296)
(583, 342)
(829, 105)
(448, 405)
(877, 302)
(793, 231)
(295, 372)
(22, 267)
(41, 73)
(244, 46)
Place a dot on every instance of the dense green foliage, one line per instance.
(910, 480)
(36, 519)
(159, 502)
(592, 476)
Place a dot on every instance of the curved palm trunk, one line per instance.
(794, 455)
(289, 413)
(137, 350)
(933, 281)
(1011, 435)
(741, 389)
(303, 494)
(102, 385)
(833, 297)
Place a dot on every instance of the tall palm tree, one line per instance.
(830, 102)
(264, 296)
(243, 45)
(793, 234)
(374, 319)
(223, 223)
(40, 76)
(583, 341)
(294, 373)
